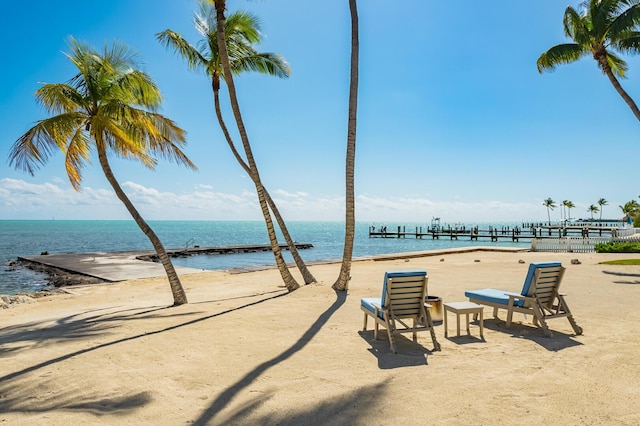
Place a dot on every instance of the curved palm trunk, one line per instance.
(616, 84)
(342, 282)
(289, 281)
(179, 296)
(302, 267)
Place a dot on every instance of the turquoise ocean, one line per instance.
(27, 237)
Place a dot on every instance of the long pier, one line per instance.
(494, 234)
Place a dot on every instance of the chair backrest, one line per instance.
(542, 281)
(405, 292)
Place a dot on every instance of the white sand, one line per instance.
(239, 354)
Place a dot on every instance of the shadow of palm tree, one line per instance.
(340, 410)
(229, 393)
(624, 274)
(83, 325)
(30, 397)
(20, 396)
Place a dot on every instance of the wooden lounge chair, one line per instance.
(403, 299)
(539, 297)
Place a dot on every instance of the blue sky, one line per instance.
(454, 119)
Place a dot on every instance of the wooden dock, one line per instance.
(494, 234)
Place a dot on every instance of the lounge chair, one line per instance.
(539, 297)
(403, 298)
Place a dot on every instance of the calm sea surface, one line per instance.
(24, 238)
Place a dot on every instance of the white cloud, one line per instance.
(20, 199)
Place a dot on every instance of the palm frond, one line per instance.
(58, 98)
(560, 54)
(33, 149)
(624, 25)
(78, 152)
(618, 65)
(265, 63)
(170, 39)
(576, 26)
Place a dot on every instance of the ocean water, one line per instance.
(26, 237)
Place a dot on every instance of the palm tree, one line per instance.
(242, 30)
(602, 202)
(600, 28)
(593, 209)
(342, 283)
(630, 209)
(227, 73)
(569, 205)
(109, 107)
(550, 205)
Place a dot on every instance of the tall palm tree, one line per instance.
(227, 73)
(599, 29)
(602, 202)
(110, 107)
(550, 205)
(569, 205)
(342, 283)
(593, 209)
(242, 31)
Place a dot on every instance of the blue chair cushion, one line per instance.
(367, 303)
(493, 295)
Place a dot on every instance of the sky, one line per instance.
(454, 119)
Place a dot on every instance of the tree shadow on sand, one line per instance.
(84, 325)
(624, 274)
(345, 409)
(26, 394)
(229, 393)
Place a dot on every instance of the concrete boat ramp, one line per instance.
(127, 265)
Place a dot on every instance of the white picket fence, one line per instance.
(576, 244)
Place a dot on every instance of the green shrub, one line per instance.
(618, 247)
(636, 222)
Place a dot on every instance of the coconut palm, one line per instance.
(599, 29)
(550, 205)
(630, 209)
(342, 282)
(602, 202)
(593, 209)
(569, 205)
(227, 73)
(242, 31)
(108, 107)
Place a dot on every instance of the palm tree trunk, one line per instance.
(289, 282)
(179, 296)
(342, 283)
(302, 267)
(616, 84)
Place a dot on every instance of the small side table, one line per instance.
(463, 308)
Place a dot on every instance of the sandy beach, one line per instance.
(244, 351)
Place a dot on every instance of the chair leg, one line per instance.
(390, 332)
(576, 328)
(364, 328)
(436, 345)
(538, 315)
